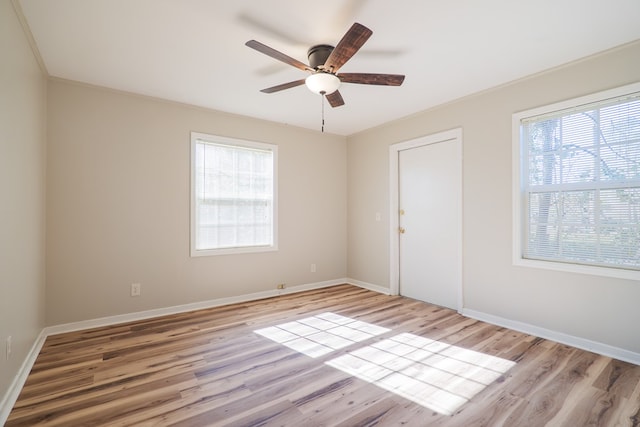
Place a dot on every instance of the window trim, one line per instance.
(519, 223)
(216, 139)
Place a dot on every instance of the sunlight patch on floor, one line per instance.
(436, 375)
(318, 335)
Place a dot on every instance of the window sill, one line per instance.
(232, 251)
(618, 273)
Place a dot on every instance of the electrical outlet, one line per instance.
(281, 286)
(135, 289)
(8, 348)
(313, 268)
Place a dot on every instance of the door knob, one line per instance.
(401, 230)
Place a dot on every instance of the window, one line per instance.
(578, 194)
(233, 195)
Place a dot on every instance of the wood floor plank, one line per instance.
(629, 414)
(210, 367)
(543, 404)
(352, 397)
(620, 377)
(375, 414)
(573, 408)
(282, 413)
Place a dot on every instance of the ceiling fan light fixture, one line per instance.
(322, 82)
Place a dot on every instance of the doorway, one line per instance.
(426, 212)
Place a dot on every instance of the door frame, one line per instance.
(394, 205)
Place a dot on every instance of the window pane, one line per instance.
(620, 230)
(544, 214)
(579, 244)
(578, 165)
(542, 151)
(620, 122)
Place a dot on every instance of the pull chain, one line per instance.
(322, 102)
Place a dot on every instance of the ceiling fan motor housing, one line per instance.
(318, 55)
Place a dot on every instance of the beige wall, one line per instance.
(22, 189)
(118, 206)
(595, 308)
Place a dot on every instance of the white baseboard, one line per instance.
(11, 396)
(369, 286)
(581, 343)
(148, 314)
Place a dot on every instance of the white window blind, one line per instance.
(233, 195)
(580, 177)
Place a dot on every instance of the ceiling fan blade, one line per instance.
(352, 41)
(283, 86)
(269, 51)
(372, 79)
(335, 99)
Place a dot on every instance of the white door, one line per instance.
(430, 220)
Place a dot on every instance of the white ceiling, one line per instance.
(193, 51)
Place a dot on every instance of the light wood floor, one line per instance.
(209, 367)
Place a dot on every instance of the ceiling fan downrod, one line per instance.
(323, 93)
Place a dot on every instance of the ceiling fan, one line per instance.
(324, 63)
